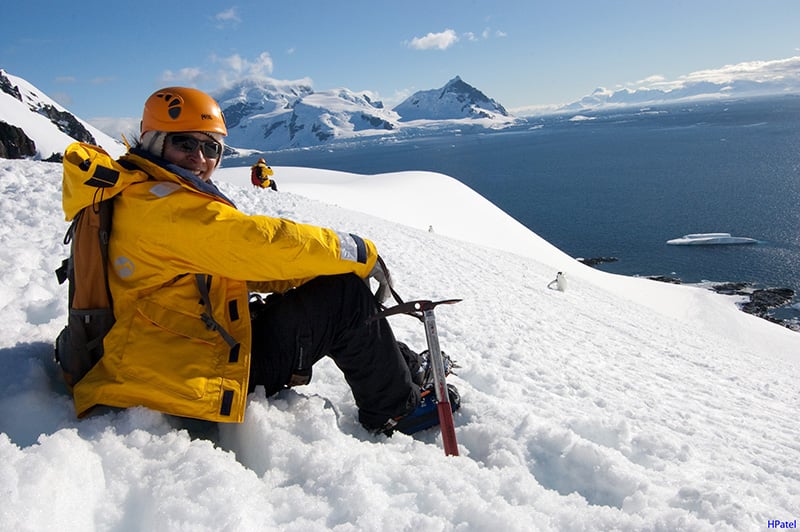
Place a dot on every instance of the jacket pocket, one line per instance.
(172, 351)
(177, 322)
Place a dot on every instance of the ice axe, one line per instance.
(423, 310)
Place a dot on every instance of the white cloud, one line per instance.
(758, 71)
(229, 15)
(261, 66)
(649, 80)
(448, 38)
(750, 70)
(187, 75)
(440, 41)
(229, 70)
(235, 67)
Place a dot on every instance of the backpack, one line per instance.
(260, 174)
(255, 178)
(80, 344)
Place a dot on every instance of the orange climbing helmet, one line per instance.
(182, 109)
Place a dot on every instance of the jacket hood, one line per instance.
(155, 166)
(91, 175)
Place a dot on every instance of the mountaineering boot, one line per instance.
(426, 370)
(420, 365)
(426, 415)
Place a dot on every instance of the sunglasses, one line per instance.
(188, 144)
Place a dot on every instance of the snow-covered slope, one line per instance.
(46, 122)
(621, 403)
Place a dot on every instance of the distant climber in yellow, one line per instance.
(260, 175)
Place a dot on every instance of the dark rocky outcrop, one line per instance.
(377, 122)
(67, 123)
(14, 143)
(236, 112)
(597, 260)
(665, 279)
(8, 87)
(759, 301)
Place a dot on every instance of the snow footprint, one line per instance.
(647, 450)
(563, 461)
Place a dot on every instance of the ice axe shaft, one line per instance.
(423, 310)
(440, 384)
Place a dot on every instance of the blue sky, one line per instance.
(102, 59)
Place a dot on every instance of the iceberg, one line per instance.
(708, 239)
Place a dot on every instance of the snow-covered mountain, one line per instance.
(456, 100)
(34, 125)
(270, 115)
(704, 90)
(742, 80)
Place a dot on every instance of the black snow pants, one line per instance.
(329, 316)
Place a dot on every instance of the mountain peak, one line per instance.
(456, 100)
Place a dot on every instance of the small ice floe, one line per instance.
(708, 239)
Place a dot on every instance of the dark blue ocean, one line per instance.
(620, 184)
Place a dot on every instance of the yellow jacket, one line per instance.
(168, 227)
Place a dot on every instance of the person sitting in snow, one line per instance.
(260, 175)
(189, 340)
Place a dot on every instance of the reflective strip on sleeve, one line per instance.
(352, 247)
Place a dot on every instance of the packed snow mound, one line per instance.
(710, 239)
